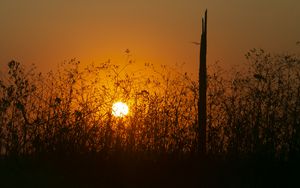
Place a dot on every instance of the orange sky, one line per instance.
(46, 32)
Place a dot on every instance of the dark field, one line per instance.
(125, 172)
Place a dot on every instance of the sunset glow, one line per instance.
(164, 93)
(120, 109)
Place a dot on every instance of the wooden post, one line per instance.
(202, 88)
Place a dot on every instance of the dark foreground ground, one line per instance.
(132, 172)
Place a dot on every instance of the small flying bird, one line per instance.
(127, 51)
(196, 43)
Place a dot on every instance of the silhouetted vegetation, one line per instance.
(258, 109)
(66, 114)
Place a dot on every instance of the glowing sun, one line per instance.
(120, 109)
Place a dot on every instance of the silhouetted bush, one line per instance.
(254, 112)
(258, 109)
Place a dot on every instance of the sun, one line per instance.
(120, 109)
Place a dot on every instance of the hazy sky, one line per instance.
(46, 32)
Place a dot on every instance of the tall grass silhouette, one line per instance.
(68, 112)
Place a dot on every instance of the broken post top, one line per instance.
(204, 23)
